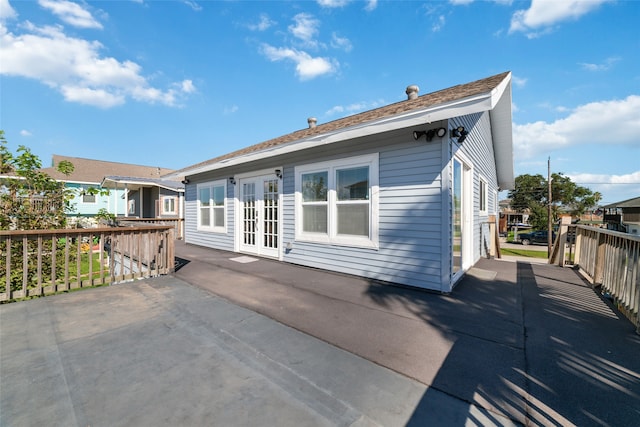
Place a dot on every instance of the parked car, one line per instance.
(535, 237)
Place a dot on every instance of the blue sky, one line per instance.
(173, 83)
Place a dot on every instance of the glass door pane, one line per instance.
(249, 213)
(457, 216)
(270, 211)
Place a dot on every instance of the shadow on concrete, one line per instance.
(179, 263)
(543, 349)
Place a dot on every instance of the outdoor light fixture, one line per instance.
(232, 180)
(440, 132)
(278, 173)
(186, 181)
(459, 133)
(417, 134)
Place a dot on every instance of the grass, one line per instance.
(524, 252)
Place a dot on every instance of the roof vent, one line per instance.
(412, 92)
(312, 122)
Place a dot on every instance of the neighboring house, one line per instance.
(149, 197)
(623, 216)
(401, 194)
(90, 173)
(511, 218)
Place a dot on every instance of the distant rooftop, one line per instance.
(93, 171)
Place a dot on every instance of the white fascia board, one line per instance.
(502, 135)
(139, 184)
(461, 107)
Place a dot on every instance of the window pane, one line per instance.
(88, 198)
(169, 205)
(353, 184)
(314, 187)
(218, 196)
(353, 219)
(205, 217)
(314, 218)
(204, 196)
(218, 217)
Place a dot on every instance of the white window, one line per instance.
(483, 196)
(211, 206)
(132, 207)
(169, 205)
(337, 202)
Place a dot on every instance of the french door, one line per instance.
(258, 222)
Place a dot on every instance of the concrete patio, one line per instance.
(241, 341)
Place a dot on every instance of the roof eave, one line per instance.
(460, 107)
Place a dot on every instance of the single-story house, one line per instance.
(90, 174)
(402, 194)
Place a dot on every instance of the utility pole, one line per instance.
(549, 219)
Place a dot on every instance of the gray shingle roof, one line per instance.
(454, 93)
(629, 203)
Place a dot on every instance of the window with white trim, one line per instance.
(336, 202)
(132, 207)
(169, 205)
(483, 197)
(212, 206)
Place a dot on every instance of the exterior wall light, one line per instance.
(232, 180)
(278, 173)
(440, 132)
(459, 133)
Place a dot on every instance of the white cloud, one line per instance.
(25, 133)
(604, 122)
(519, 81)
(343, 43)
(543, 14)
(591, 178)
(75, 68)
(438, 24)
(6, 11)
(305, 27)
(71, 13)
(608, 63)
(341, 110)
(264, 24)
(193, 5)
(333, 3)
(307, 67)
(231, 110)
(371, 5)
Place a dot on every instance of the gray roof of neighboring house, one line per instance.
(110, 181)
(439, 105)
(629, 203)
(93, 171)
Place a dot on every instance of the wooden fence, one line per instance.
(177, 223)
(41, 262)
(611, 261)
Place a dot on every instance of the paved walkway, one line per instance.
(239, 341)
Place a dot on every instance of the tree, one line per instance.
(29, 198)
(531, 194)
